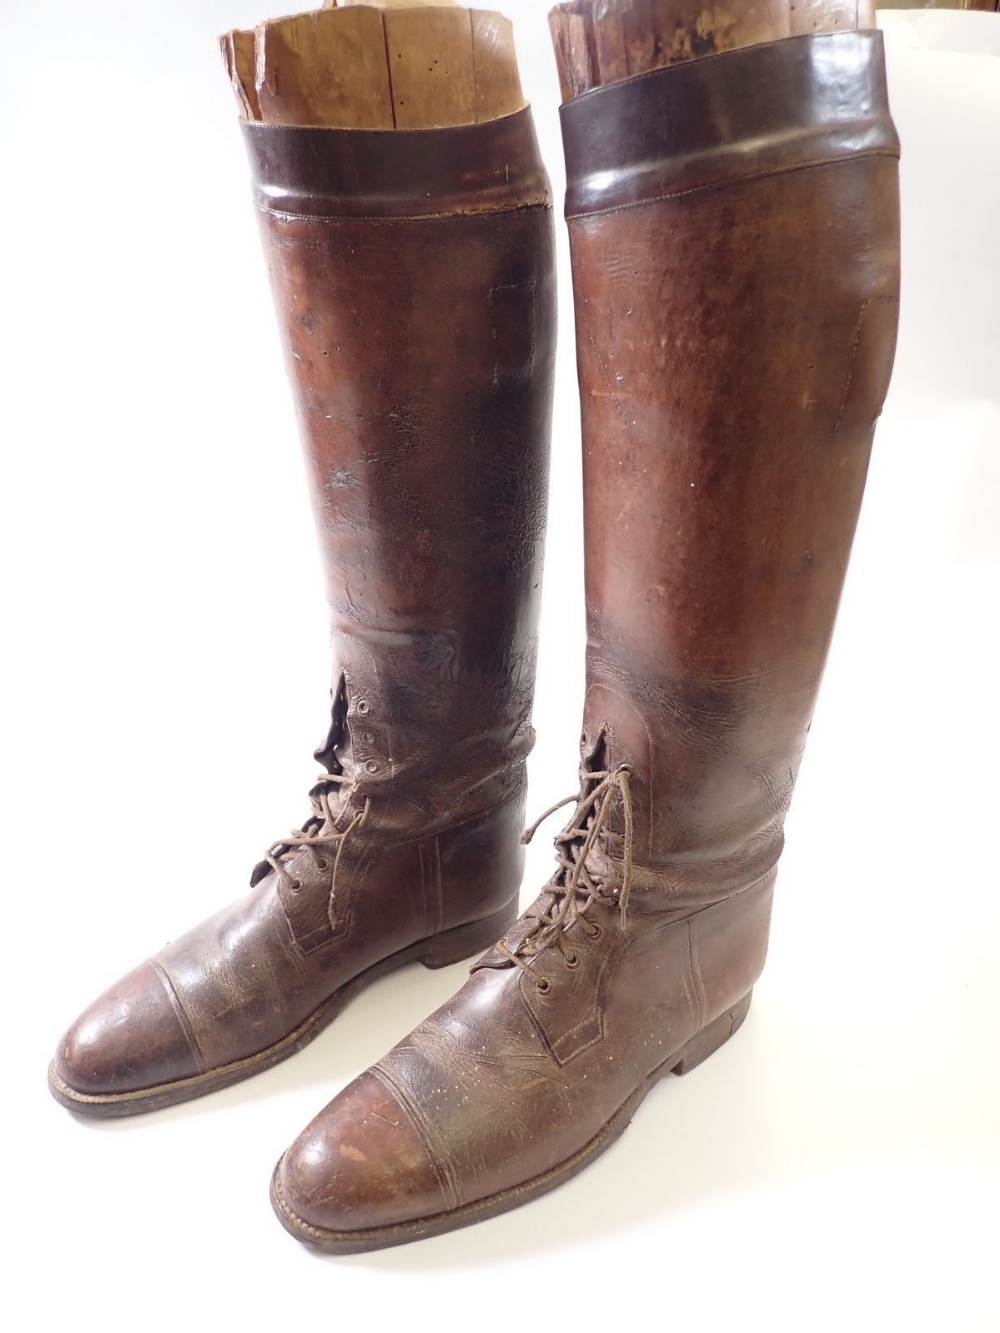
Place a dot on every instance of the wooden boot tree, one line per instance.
(603, 41)
(377, 64)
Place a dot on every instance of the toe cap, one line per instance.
(362, 1164)
(130, 1039)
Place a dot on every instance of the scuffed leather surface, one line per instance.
(710, 612)
(734, 348)
(381, 1154)
(485, 1101)
(132, 1036)
(420, 353)
(423, 385)
(420, 350)
(256, 971)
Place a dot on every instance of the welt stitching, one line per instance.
(293, 1217)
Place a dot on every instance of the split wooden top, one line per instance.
(598, 42)
(419, 64)
(377, 64)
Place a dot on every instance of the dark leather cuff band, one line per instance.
(311, 172)
(759, 110)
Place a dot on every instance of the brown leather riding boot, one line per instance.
(414, 283)
(735, 261)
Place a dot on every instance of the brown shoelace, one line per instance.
(573, 888)
(312, 838)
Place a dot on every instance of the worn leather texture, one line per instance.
(736, 278)
(417, 311)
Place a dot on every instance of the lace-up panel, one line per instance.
(574, 888)
(319, 833)
(323, 843)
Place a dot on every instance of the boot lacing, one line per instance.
(573, 889)
(312, 838)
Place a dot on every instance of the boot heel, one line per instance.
(709, 1039)
(451, 946)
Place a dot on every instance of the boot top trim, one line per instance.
(802, 101)
(331, 173)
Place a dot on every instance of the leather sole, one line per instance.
(693, 1053)
(451, 946)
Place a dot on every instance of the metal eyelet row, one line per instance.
(594, 931)
(367, 737)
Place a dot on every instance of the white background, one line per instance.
(165, 654)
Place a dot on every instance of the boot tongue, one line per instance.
(336, 754)
(513, 940)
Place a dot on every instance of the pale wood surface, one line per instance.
(377, 64)
(311, 70)
(498, 82)
(240, 56)
(602, 41)
(430, 66)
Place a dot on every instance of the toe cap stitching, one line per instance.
(438, 1161)
(181, 1013)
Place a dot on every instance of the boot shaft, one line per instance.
(413, 277)
(736, 278)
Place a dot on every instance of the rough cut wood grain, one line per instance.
(324, 68)
(576, 58)
(431, 72)
(498, 82)
(602, 41)
(610, 48)
(377, 64)
(239, 54)
(640, 34)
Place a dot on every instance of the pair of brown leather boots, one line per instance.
(734, 233)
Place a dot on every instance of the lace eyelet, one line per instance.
(322, 863)
(543, 985)
(573, 960)
(364, 707)
(368, 737)
(295, 885)
(594, 931)
(371, 766)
